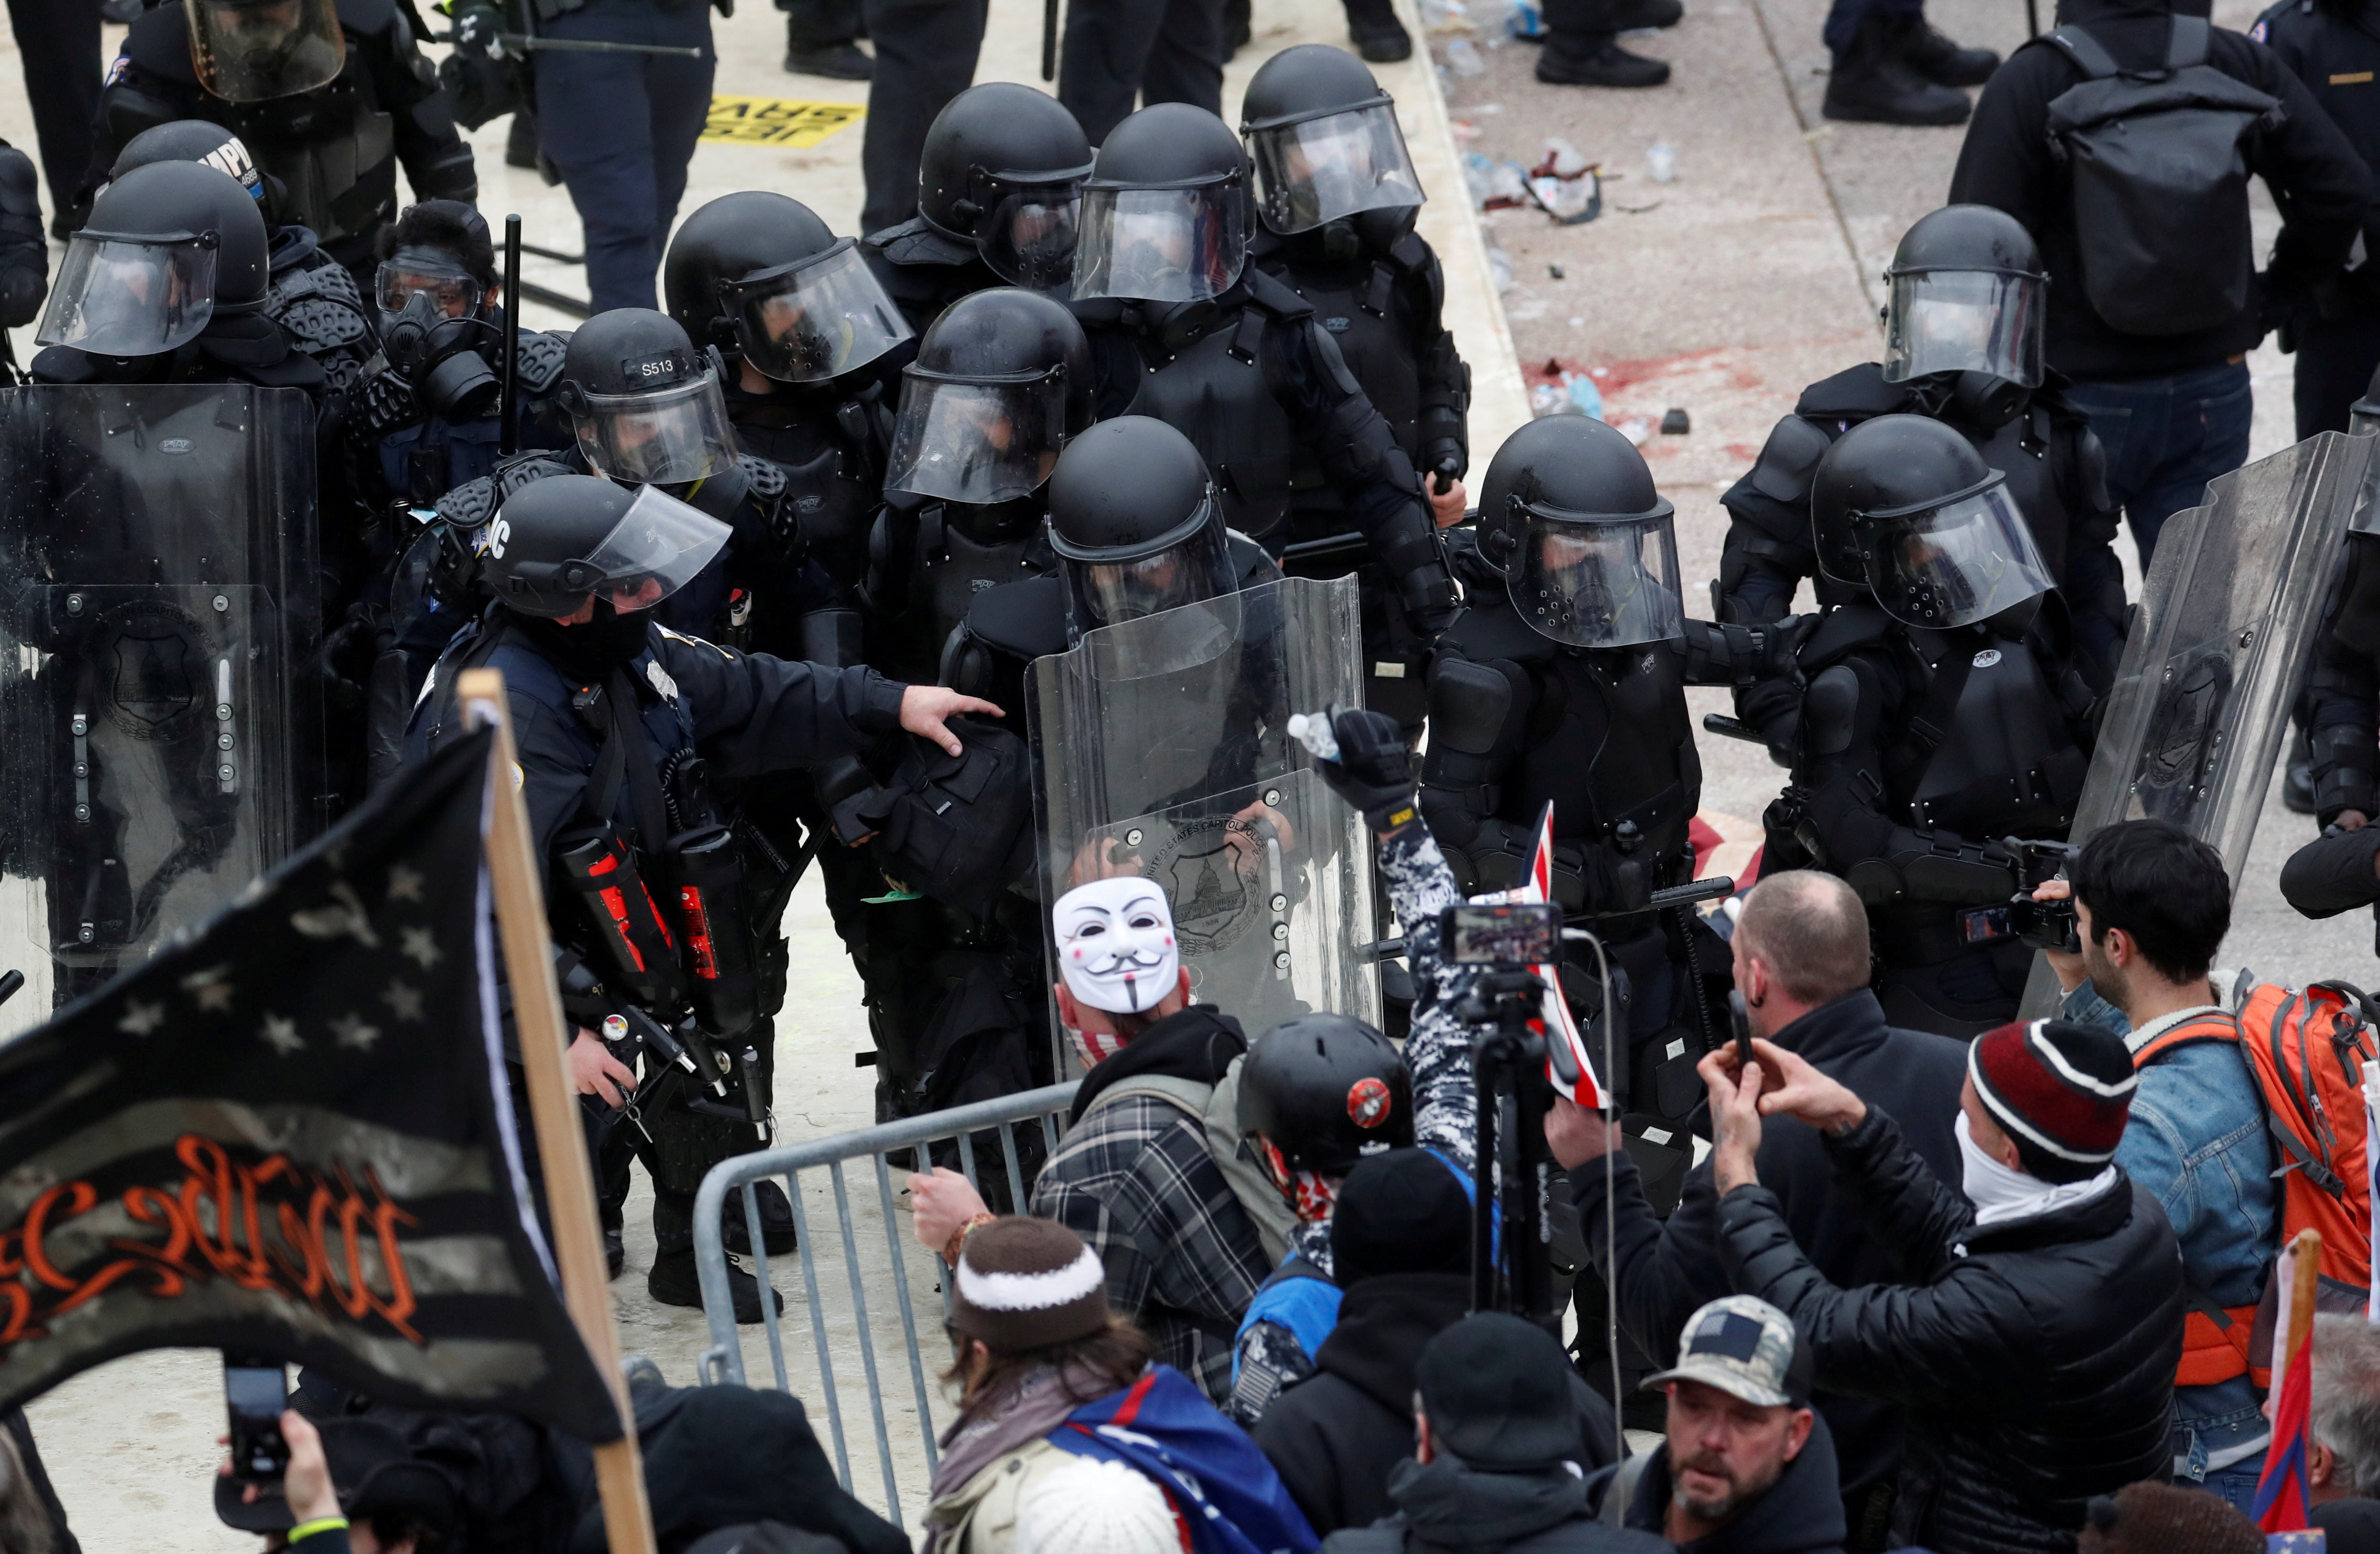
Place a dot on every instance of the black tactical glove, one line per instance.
(383, 402)
(1374, 772)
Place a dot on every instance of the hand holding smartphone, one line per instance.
(1738, 1019)
(256, 1393)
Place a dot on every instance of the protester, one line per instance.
(1493, 1467)
(1746, 1467)
(2153, 904)
(1038, 1348)
(2034, 1338)
(1400, 1247)
(1801, 962)
(2343, 1419)
(355, 1484)
(2152, 1518)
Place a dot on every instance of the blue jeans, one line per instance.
(2236, 1483)
(622, 129)
(2166, 438)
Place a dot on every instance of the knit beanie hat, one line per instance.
(2153, 1518)
(1402, 1211)
(1091, 1506)
(2062, 1091)
(1026, 1284)
(1498, 1394)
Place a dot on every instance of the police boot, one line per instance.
(674, 1280)
(1937, 58)
(520, 139)
(1872, 84)
(1604, 63)
(842, 60)
(1378, 36)
(776, 1221)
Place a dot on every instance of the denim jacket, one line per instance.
(2196, 1139)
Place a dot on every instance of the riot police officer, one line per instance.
(168, 284)
(1183, 330)
(1000, 189)
(1338, 195)
(2334, 331)
(1963, 346)
(1564, 683)
(621, 727)
(313, 298)
(1944, 712)
(24, 254)
(329, 100)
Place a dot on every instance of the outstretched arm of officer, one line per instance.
(1374, 773)
(753, 712)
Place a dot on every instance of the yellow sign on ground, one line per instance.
(777, 121)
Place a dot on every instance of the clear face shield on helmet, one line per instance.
(453, 292)
(656, 549)
(1191, 570)
(121, 293)
(1955, 563)
(252, 51)
(1028, 231)
(977, 441)
(1598, 580)
(1965, 320)
(664, 438)
(815, 318)
(1173, 243)
(1332, 165)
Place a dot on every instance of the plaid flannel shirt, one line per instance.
(1135, 1181)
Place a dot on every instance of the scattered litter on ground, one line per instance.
(1675, 422)
(1634, 429)
(1660, 161)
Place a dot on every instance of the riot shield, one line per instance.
(1161, 749)
(159, 626)
(2201, 702)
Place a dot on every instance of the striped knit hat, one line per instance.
(1027, 1284)
(2062, 1090)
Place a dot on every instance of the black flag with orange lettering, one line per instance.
(283, 1136)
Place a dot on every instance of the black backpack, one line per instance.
(2158, 160)
(956, 828)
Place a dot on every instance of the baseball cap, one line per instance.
(1746, 1348)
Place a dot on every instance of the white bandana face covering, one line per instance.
(1115, 945)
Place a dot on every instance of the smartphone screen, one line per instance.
(1509, 935)
(1739, 1019)
(256, 1395)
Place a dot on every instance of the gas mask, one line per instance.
(439, 357)
(1986, 401)
(1375, 231)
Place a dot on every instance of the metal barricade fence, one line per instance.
(913, 1138)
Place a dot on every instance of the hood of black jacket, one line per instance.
(1383, 1324)
(1801, 1512)
(1198, 1044)
(1453, 1506)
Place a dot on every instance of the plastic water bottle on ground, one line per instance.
(1463, 59)
(1660, 161)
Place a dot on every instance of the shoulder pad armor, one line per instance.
(538, 359)
(1855, 394)
(1273, 297)
(1788, 459)
(469, 505)
(763, 480)
(1412, 253)
(319, 305)
(523, 468)
(1252, 565)
(59, 364)
(1026, 619)
(913, 242)
(1843, 632)
(1492, 629)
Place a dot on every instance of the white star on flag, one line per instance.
(403, 884)
(140, 1019)
(402, 1001)
(419, 946)
(208, 989)
(282, 1035)
(351, 1031)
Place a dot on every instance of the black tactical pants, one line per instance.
(60, 44)
(1159, 51)
(925, 56)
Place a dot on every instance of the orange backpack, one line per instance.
(2307, 1051)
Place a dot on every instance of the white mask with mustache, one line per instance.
(1115, 945)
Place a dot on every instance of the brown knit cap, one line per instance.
(1026, 1284)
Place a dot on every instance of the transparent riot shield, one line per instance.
(1161, 749)
(159, 623)
(2201, 702)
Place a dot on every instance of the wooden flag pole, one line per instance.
(553, 1108)
(2305, 1281)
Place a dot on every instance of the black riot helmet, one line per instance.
(167, 247)
(558, 541)
(1133, 519)
(1325, 1090)
(1969, 297)
(648, 408)
(1001, 384)
(1905, 507)
(1588, 548)
(760, 276)
(192, 140)
(1326, 145)
(1165, 213)
(1003, 169)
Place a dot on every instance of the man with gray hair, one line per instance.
(2343, 1423)
(1801, 962)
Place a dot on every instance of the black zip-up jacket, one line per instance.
(2036, 1358)
(1801, 1514)
(2320, 184)
(2334, 47)
(1670, 1271)
(1335, 1436)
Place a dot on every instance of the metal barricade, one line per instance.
(911, 1137)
